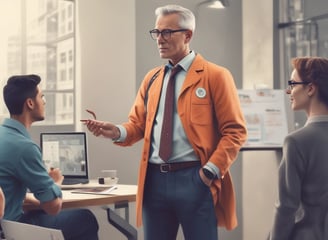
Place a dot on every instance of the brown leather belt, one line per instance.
(172, 167)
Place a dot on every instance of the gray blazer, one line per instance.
(301, 210)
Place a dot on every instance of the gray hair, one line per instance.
(187, 18)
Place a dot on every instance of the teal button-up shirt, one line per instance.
(21, 168)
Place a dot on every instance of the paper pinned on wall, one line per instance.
(265, 114)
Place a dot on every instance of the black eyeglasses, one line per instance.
(291, 84)
(165, 33)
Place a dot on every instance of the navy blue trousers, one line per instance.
(178, 198)
(76, 224)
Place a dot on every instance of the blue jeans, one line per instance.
(76, 224)
(175, 198)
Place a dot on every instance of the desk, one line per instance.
(119, 197)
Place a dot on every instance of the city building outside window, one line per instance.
(38, 37)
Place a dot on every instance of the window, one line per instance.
(302, 34)
(38, 36)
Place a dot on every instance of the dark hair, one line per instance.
(18, 89)
(314, 70)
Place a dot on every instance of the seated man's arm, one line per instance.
(46, 193)
(30, 199)
(52, 207)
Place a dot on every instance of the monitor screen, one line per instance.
(66, 151)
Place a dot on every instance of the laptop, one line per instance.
(68, 152)
(21, 231)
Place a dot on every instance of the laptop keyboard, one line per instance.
(71, 181)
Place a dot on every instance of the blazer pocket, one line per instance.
(201, 113)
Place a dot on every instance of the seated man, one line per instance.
(21, 166)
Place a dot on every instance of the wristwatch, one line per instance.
(208, 174)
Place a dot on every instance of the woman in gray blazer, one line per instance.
(302, 206)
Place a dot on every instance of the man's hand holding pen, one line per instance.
(101, 128)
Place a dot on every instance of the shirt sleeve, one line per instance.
(122, 135)
(34, 175)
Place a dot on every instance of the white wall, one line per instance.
(257, 44)
(107, 71)
(259, 172)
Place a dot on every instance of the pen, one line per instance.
(90, 112)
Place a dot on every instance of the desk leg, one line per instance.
(122, 224)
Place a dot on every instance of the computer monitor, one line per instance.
(68, 152)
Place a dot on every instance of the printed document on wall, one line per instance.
(265, 114)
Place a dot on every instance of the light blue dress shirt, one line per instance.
(182, 149)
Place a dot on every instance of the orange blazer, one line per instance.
(214, 125)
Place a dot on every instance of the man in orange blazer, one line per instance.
(192, 187)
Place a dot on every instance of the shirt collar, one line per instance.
(318, 118)
(16, 125)
(186, 62)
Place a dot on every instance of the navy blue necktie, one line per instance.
(165, 149)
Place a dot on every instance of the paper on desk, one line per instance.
(85, 186)
(96, 190)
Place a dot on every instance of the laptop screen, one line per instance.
(66, 151)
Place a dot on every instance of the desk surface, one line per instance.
(123, 193)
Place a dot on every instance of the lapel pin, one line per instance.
(200, 92)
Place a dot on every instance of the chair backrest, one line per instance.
(21, 231)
